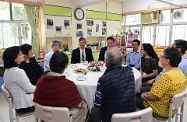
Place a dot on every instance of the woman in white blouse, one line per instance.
(16, 80)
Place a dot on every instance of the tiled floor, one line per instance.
(4, 114)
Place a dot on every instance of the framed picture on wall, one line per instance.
(66, 23)
(97, 27)
(79, 33)
(49, 23)
(103, 31)
(90, 22)
(79, 26)
(58, 29)
(89, 31)
(104, 23)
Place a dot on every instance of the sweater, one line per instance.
(56, 91)
(33, 70)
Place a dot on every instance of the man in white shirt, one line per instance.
(55, 46)
(81, 54)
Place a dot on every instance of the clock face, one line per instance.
(79, 14)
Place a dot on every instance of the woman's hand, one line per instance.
(149, 82)
(144, 95)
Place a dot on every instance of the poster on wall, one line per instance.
(89, 31)
(79, 33)
(49, 23)
(97, 27)
(58, 29)
(130, 38)
(66, 23)
(103, 31)
(90, 23)
(79, 26)
(104, 23)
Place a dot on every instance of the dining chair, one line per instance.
(52, 114)
(177, 102)
(13, 115)
(144, 115)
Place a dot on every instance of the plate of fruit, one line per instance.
(80, 70)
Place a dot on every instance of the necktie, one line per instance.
(83, 56)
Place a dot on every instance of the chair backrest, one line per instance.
(52, 114)
(142, 116)
(176, 102)
(8, 98)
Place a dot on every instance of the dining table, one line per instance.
(87, 86)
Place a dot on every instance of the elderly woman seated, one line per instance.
(33, 70)
(16, 80)
(53, 89)
(169, 84)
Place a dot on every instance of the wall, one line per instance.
(113, 17)
(137, 5)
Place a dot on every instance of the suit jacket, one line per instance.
(102, 53)
(76, 55)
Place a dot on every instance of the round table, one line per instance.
(87, 87)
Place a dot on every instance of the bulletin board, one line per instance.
(57, 26)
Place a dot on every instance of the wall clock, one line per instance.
(79, 14)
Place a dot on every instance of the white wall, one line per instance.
(136, 5)
(112, 26)
(65, 3)
(114, 7)
(83, 3)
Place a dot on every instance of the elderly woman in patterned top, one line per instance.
(169, 84)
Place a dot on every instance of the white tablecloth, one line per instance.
(87, 87)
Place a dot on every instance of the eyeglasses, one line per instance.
(163, 56)
(142, 49)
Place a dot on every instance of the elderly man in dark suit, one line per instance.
(81, 54)
(110, 44)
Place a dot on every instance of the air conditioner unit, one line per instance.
(178, 14)
(150, 18)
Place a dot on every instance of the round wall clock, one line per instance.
(79, 14)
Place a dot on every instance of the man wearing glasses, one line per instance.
(134, 56)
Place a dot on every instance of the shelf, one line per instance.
(95, 36)
(58, 36)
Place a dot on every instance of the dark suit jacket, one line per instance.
(102, 54)
(76, 55)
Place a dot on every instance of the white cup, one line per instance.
(85, 62)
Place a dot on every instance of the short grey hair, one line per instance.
(82, 39)
(114, 56)
(55, 42)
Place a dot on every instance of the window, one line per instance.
(133, 19)
(16, 22)
(162, 36)
(18, 12)
(179, 32)
(165, 16)
(4, 10)
(148, 34)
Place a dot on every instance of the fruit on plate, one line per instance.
(80, 70)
